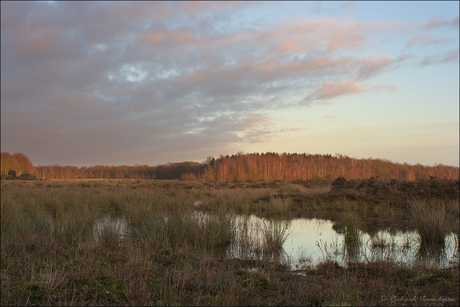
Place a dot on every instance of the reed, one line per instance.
(274, 233)
(175, 229)
(280, 206)
(110, 231)
(352, 236)
(216, 231)
(379, 243)
(259, 240)
(22, 217)
(453, 210)
(431, 221)
(245, 246)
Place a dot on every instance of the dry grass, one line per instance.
(54, 250)
(431, 220)
(274, 234)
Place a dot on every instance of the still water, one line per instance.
(310, 241)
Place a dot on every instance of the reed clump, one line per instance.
(431, 220)
(160, 229)
(216, 231)
(110, 232)
(274, 234)
(352, 236)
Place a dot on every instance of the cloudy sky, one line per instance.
(124, 83)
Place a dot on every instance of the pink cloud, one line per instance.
(194, 65)
(299, 35)
(29, 38)
(371, 64)
(333, 89)
(330, 89)
(289, 46)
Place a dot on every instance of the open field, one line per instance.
(54, 254)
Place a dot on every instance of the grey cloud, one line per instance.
(440, 21)
(447, 57)
(137, 79)
(426, 39)
(450, 56)
(371, 64)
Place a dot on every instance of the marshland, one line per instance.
(180, 242)
(229, 153)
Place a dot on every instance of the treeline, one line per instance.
(293, 167)
(254, 167)
(166, 171)
(17, 164)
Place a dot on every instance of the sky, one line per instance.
(125, 83)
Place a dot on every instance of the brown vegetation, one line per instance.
(49, 255)
(378, 204)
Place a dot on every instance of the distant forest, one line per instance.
(254, 167)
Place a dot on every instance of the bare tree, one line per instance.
(8, 162)
(24, 165)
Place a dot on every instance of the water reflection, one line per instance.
(438, 255)
(303, 243)
(110, 231)
(311, 241)
(259, 238)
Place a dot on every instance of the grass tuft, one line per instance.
(275, 233)
(431, 221)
